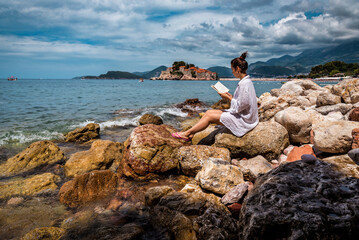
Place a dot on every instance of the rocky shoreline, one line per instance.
(293, 176)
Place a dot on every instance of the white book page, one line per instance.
(219, 87)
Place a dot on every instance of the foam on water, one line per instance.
(23, 137)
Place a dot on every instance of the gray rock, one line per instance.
(308, 157)
(257, 165)
(302, 200)
(340, 107)
(326, 98)
(235, 194)
(354, 155)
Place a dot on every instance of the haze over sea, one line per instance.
(45, 109)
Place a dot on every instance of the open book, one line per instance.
(219, 87)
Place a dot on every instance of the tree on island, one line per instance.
(334, 68)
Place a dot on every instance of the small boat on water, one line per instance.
(12, 78)
(141, 80)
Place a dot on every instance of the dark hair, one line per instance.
(240, 62)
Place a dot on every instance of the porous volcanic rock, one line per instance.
(101, 156)
(191, 158)
(150, 119)
(301, 200)
(28, 186)
(334, 136)
(84, 134)
(268, 139)
(297, 122)
(149, 150)
(49, 233)
(219, 176)
(38, 154)
(88, 187)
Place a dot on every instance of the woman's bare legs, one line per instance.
(211, 116)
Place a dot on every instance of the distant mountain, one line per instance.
(223, 72)
(153, 73)
(302, 63)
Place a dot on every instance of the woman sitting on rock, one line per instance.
(242, 116)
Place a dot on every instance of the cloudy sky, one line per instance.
(67, 38)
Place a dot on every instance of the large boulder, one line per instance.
(150, 119)
(297, 122)
(301, 200)
(191, 106)
(48, 233)
(84, 134)
(191, 158)
(28, 186)
(219, 176)
(222, 104)
(101, 156)
(37, 155)
(149, 150)
(257, 165)
(347, 89)
(268, 139)
(300, 86)
(203, 134)
(88, 187)
(326, 98)
(334, 136)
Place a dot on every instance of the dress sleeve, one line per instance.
(241, 100)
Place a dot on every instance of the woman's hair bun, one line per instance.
(243, 56)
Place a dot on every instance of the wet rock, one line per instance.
(88, 187)
(354, 155)
(347, 89)
(150, 119)
(101, 156)
(149, 150)
(301, 200)
(191, 106)
(297, 152)
(334, 136)
(297, 122)
(257, 165)
(216, 224)
(354, 115)
(84, 134)
(343, 164)
(355, 135)
(28, 186)
(191, 158)
(219, 176)
(235, 194)
(37, 155)
(154, 194)
(187, 203)
(326, 98)
(48, 233)
(268, 139)
(179, 226)
(222, 104)
(340, 107)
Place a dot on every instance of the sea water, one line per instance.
(41, 109)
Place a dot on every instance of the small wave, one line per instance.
(172, 111)
(22, 137)
(110, 123)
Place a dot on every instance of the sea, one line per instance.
(45, 109)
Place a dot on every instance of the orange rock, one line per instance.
(88, 187)
(355, 134)
(354, 115)
(235, 209)
(297, 152)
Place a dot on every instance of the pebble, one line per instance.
(308, 157)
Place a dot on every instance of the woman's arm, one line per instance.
(226, 95)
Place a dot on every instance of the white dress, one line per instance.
(242, 116)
